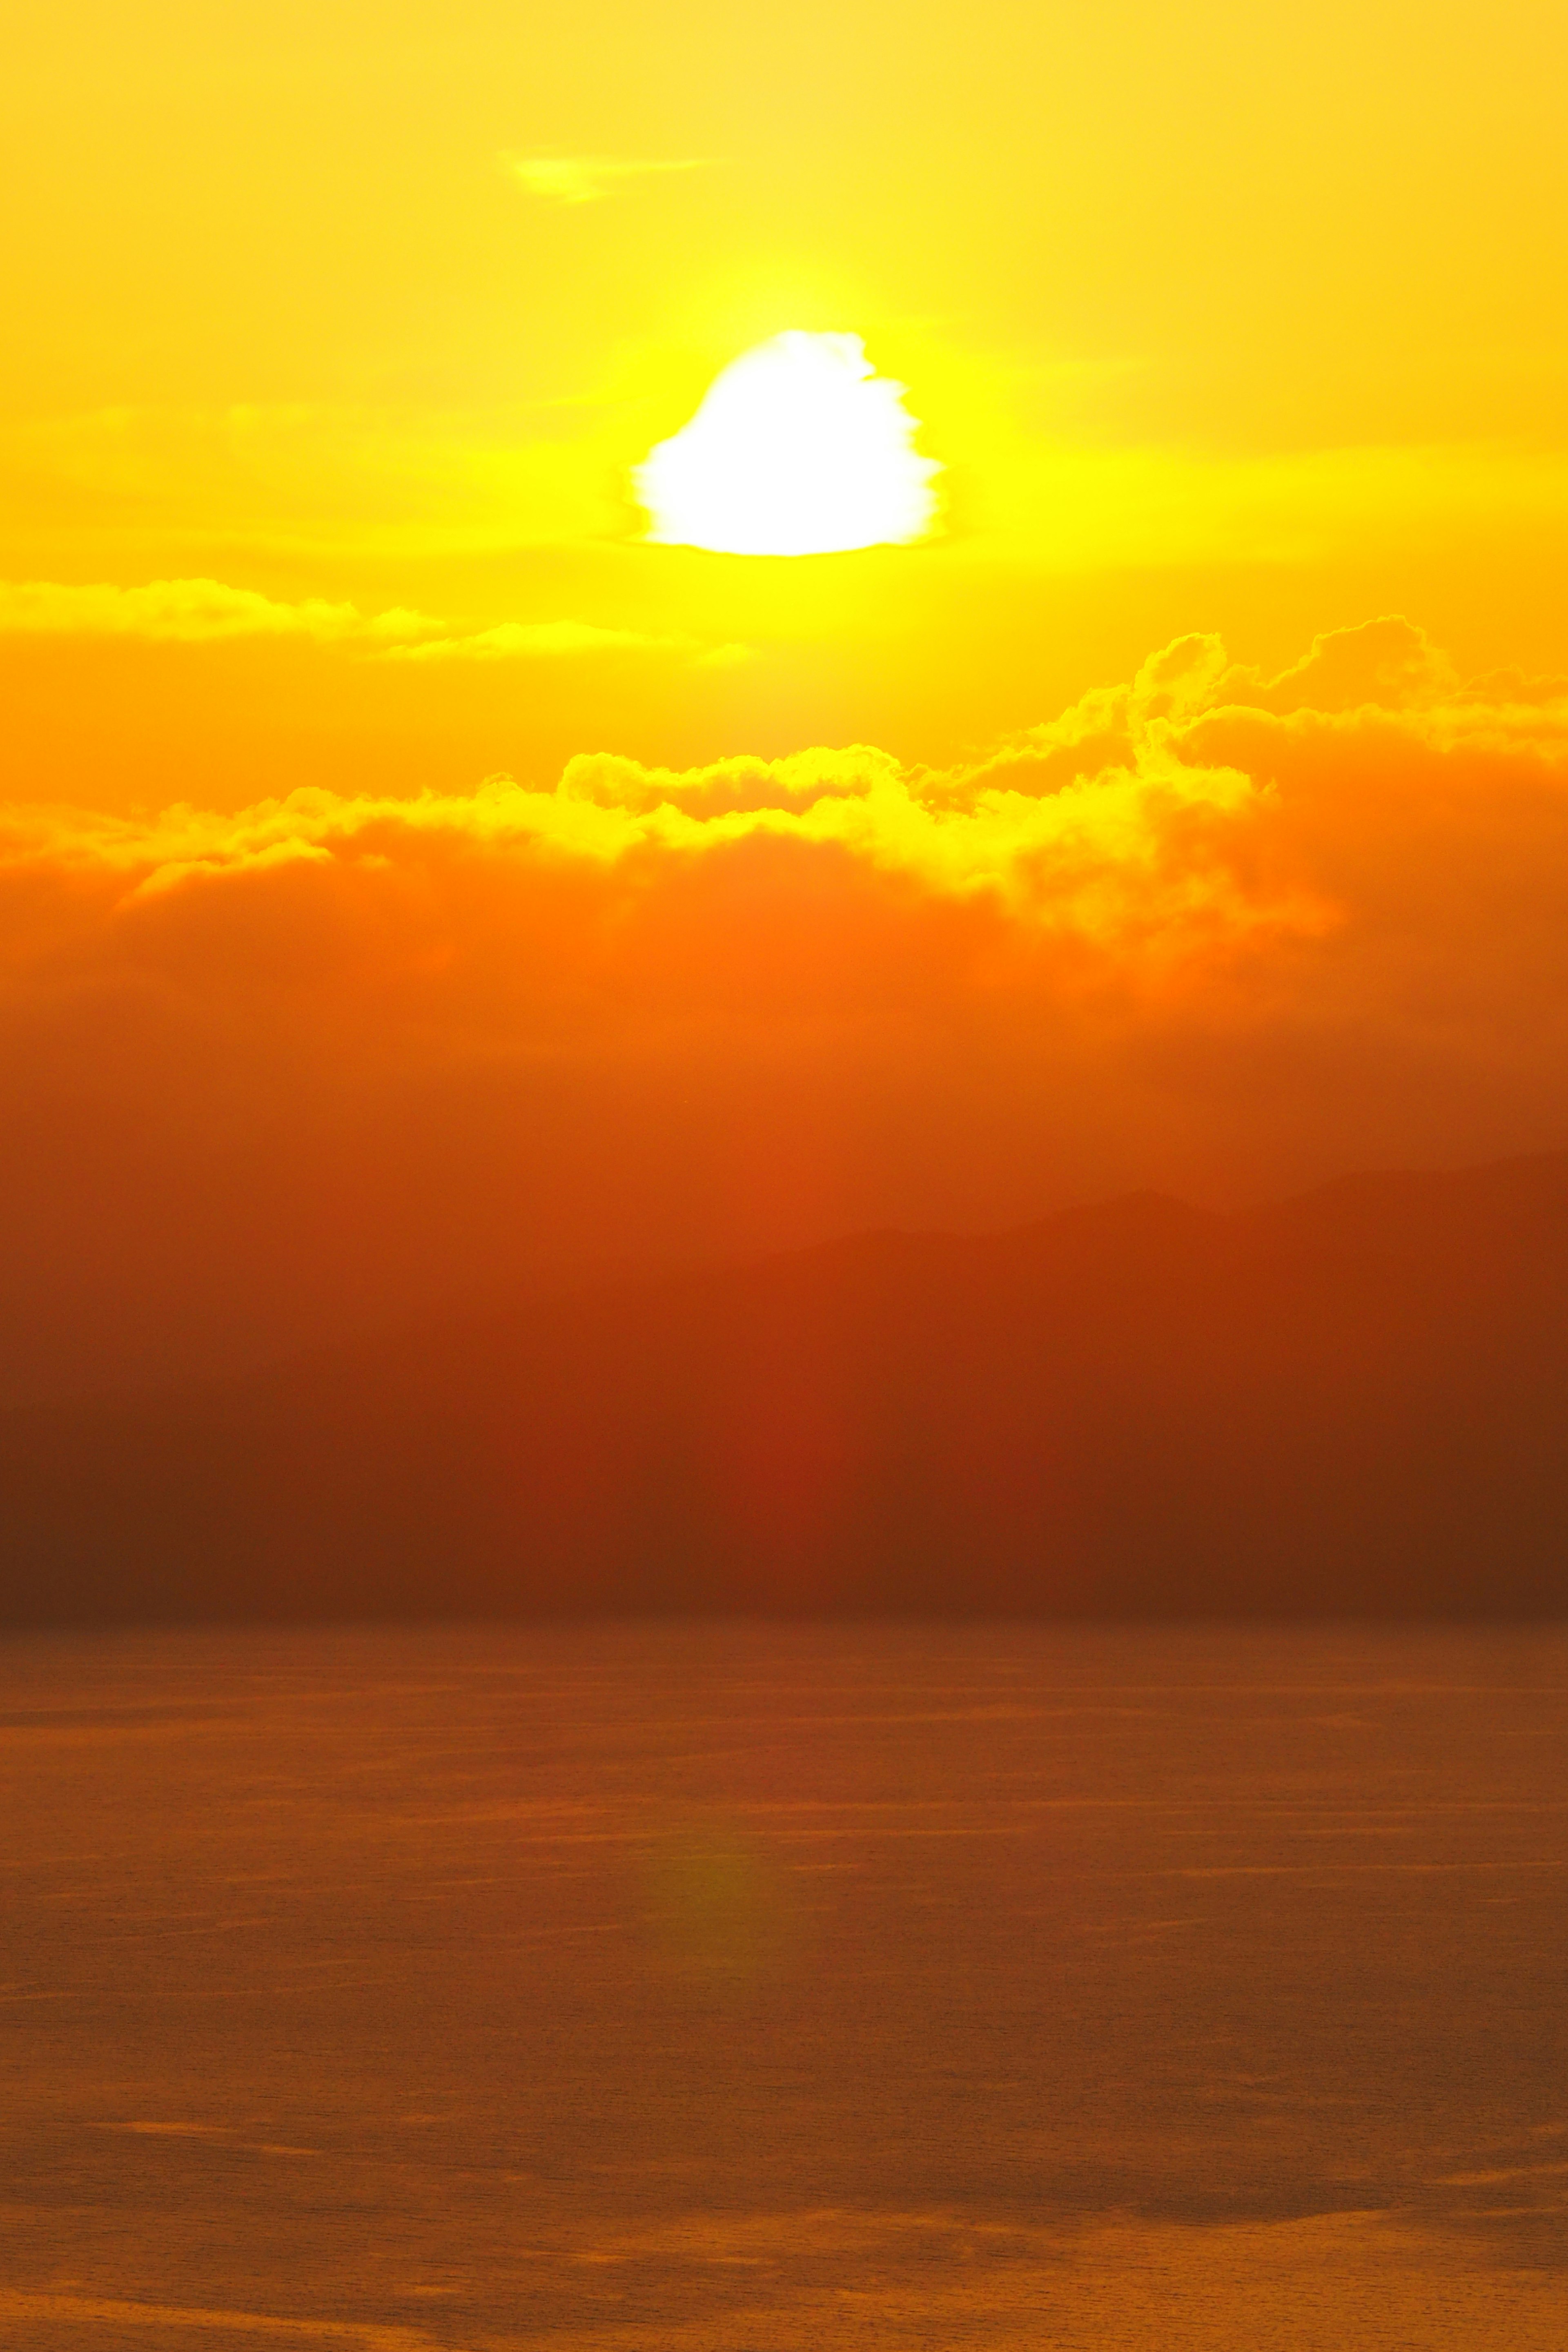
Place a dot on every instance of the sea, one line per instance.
(734, 1987)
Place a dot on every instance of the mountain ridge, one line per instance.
(1352, 1400)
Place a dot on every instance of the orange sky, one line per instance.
(331, 340)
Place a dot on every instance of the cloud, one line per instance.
(1385, 662)
(203, 612)
(586, 179)
(1206, 929)
(190, 612)
(538, 640)
(1152, 813)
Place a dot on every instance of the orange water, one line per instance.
(755, 1987)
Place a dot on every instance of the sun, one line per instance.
(799, 448)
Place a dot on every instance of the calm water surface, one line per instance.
(755, 1987)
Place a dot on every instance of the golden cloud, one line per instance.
(190, 612)
(202, 612)
(1180, 811)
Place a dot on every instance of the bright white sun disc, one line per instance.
(799, 448)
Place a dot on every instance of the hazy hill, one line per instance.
(1353, 1401)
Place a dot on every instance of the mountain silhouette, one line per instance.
(1350, 1402)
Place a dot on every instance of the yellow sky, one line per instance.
(1221, 317)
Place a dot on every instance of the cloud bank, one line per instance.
(1207, 930)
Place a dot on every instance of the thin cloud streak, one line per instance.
(206, 612)
(589, 179)
(539, 640)
(191, 611)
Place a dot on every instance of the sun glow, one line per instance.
(799, 448)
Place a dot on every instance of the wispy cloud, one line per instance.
(585, 179)
(203, 612)
(191, 611)
(538, 640)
